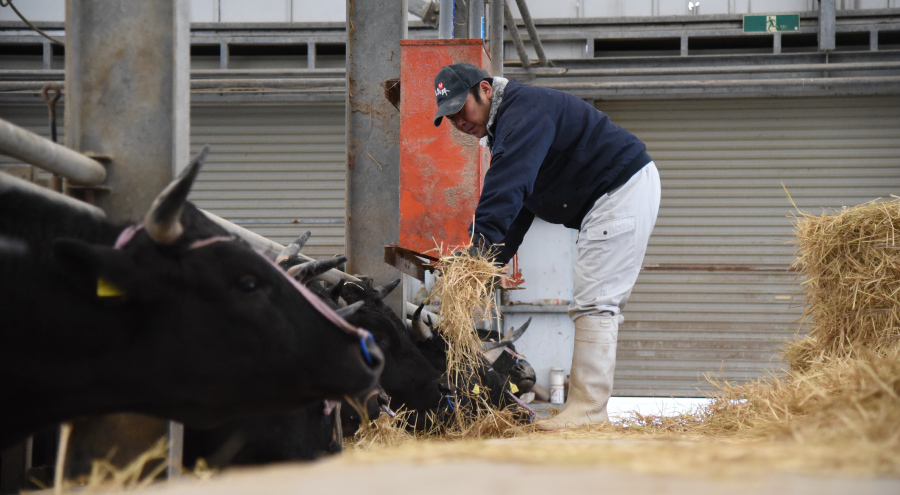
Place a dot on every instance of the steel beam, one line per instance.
(375, 28)
(514, 34)
(532, 33)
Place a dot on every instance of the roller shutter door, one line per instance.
(276, 170)
(716, 295)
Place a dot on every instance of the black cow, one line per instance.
(409, 379)
(172, 318)
(414, 379)
(501, 376)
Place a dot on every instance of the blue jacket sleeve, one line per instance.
(514, 236)
(523, 139)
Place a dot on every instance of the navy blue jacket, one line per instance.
(552, 156)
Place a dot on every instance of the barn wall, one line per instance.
(275, 170)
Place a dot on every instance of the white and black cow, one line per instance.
(170, 317)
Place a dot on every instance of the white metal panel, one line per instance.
(255, 11)
(276, 170)
(720, 299)
(204, 10)
(36, 10)
(319, 11)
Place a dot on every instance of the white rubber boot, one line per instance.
(591, 379)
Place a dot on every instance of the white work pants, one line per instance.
(612, 243)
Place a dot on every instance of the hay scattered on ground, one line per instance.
(138, 474)
(842, 387)
(836, 409)
(464, 288)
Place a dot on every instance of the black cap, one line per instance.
(451, 87)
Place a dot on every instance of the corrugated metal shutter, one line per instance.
(715, 295)
(276, 170)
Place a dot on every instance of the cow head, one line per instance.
(216, 329)
(409, 378)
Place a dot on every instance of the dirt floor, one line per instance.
(586, 462)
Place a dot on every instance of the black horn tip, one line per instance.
(349, 310)
(387, 288)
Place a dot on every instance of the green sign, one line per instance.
(771, 23)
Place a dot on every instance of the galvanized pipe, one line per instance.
(9, 182)
(476, 19)
(31, 148)
(532, 33)
(445, 20)
(271, 249)
(514, 34)
(411, 309)
(827, 20)
(496, 44)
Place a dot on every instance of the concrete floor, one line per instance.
(344, 476)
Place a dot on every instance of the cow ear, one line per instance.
(105, 272)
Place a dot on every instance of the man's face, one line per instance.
(473, 116)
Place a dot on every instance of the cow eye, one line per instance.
(248, 283)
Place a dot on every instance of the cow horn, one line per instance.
(487, 346)
(514, 335)
(387, 288)
(163, 221)
(312, 269)
(493, 354)
(349, 310)
(293, 248)
(420, 330)
(334, 292)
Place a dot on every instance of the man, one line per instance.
(558, 158)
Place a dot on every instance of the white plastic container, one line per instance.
(557, 382)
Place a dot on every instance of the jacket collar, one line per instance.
(498, 86)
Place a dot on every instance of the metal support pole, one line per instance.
(128, 97)
(35, 150)
(532, 33)
(496, 44)
(460, 19)
(375, 28)
(476, 19)
(445, 22)
(826, 25)
(514, 34)
(126, 101)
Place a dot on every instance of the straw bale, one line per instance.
(850, 263)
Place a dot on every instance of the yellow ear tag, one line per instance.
(107, 289)
(513, 388)
(476, 390)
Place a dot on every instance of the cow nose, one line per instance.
(371, 353)
(446, 388)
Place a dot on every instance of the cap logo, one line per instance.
(441, 90)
